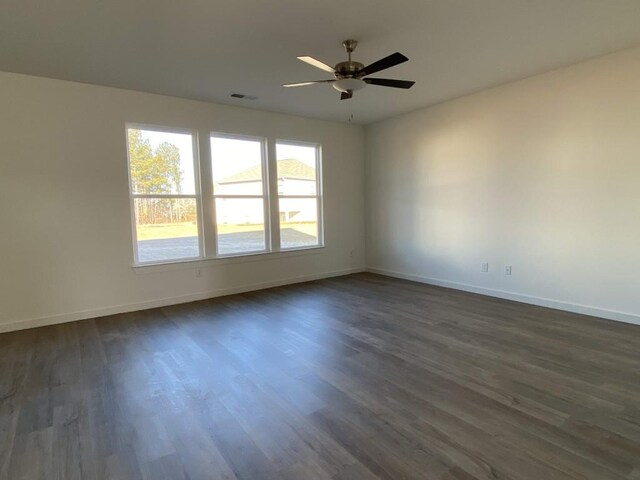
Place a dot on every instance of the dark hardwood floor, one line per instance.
(359, 377)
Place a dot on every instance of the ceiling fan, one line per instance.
(352, 76)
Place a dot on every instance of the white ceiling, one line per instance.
(204, 49)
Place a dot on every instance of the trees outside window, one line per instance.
(163, 194)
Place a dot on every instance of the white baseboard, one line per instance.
(163, 302)
(517, 297)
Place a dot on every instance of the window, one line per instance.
(239, 187)
(239, 200)
(163, 194)
(299, 196)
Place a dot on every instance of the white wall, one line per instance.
(65, 231)
(542, 174)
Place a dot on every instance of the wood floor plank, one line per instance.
(359, 377)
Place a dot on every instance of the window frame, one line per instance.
(318, 196)
(205, 198)
(197, 195)
(265, 197)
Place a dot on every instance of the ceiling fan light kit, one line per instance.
(348, 84)
(350, 75)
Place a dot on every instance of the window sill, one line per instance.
(226, 260)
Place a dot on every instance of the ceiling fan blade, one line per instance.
(302, 84)
(346, 95)
(317, 63)
(387, 62)
(387, 82)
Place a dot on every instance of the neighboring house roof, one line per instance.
(288, 168)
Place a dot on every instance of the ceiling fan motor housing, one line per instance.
(347, 72)
(348, 69)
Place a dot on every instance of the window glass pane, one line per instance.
(161, 162)
(236, 166)
(240, 225)
(298, 222)
(167, 229)
(296, 169)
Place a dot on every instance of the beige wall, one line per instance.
(65, 240)
(542, 174)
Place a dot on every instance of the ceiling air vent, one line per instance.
(243, 96)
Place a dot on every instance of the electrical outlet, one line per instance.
(484, 267)
(507, 269)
